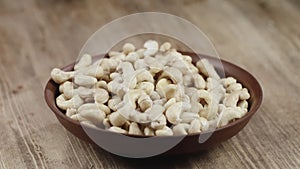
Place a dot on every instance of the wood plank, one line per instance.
(262, 36)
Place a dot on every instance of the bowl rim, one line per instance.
(253, 109)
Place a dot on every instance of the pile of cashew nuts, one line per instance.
(151, 91)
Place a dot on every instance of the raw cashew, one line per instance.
(109, 65)
(67, 88)
(128, 74)
(204, 124)
(140, 52)
(199, 81)
(154, 95)
(70, 112)
(160, 101)
(64, 104)
(106, 123)
(195, 126)
(244, 95)
(243, 104)
(207, 69)
(151, 47)
(187, 58)
(181, 129)
(128, 47)
(132, 97)
(182, 66)
(159, 122)
(169, 103)
(128, 81)
(165, 131)
(101, 96)
(134, 129)
(113, 103)
(232, 99)
(234, 87)
(83, 80)
(131, 57)
(165, 47)
(116, 55)
(148, 87)
(143, 75)
(117, 130)
(104, 108)
(140, 64)
(144, 102)
(154, 65)
(188, 117)
(117, 119)
(228, 81)
(161, 85)
(187, 80)
(60, 76)
(91, 113)
(126, 125)
(173, 74)
(173, 113)
(228, 114)
(85, 61)
(216, 89)
(148, 131)
(93, 71)
(155, 111)
(101, 84)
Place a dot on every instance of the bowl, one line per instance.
(188, 144)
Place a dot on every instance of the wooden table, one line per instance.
(262, 36)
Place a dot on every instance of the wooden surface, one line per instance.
(262, 36)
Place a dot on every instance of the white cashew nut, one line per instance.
(181, 129)
(151, 47)
(83, 80)
(91, 113)
(60, 76)
(85, 61)
(165, 131)
(64, 104)
(134, 129)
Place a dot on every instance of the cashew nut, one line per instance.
(181, 129)
(117, 130)
(128, 47)
(135, 129)
(101, 96)
(83, 80)
(165, 47)
(165, 131)
(207, 69)
(148, 87)
(151, 47)
(117, 119)
(195, 126)
(64, 104)
(85, 61)
(91, 113)
(60, 76)
(148, 131)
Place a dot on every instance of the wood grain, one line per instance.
(262, 36)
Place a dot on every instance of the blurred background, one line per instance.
(262, 36)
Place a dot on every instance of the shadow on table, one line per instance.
(165, 162)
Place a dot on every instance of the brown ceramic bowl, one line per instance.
(117, 144)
